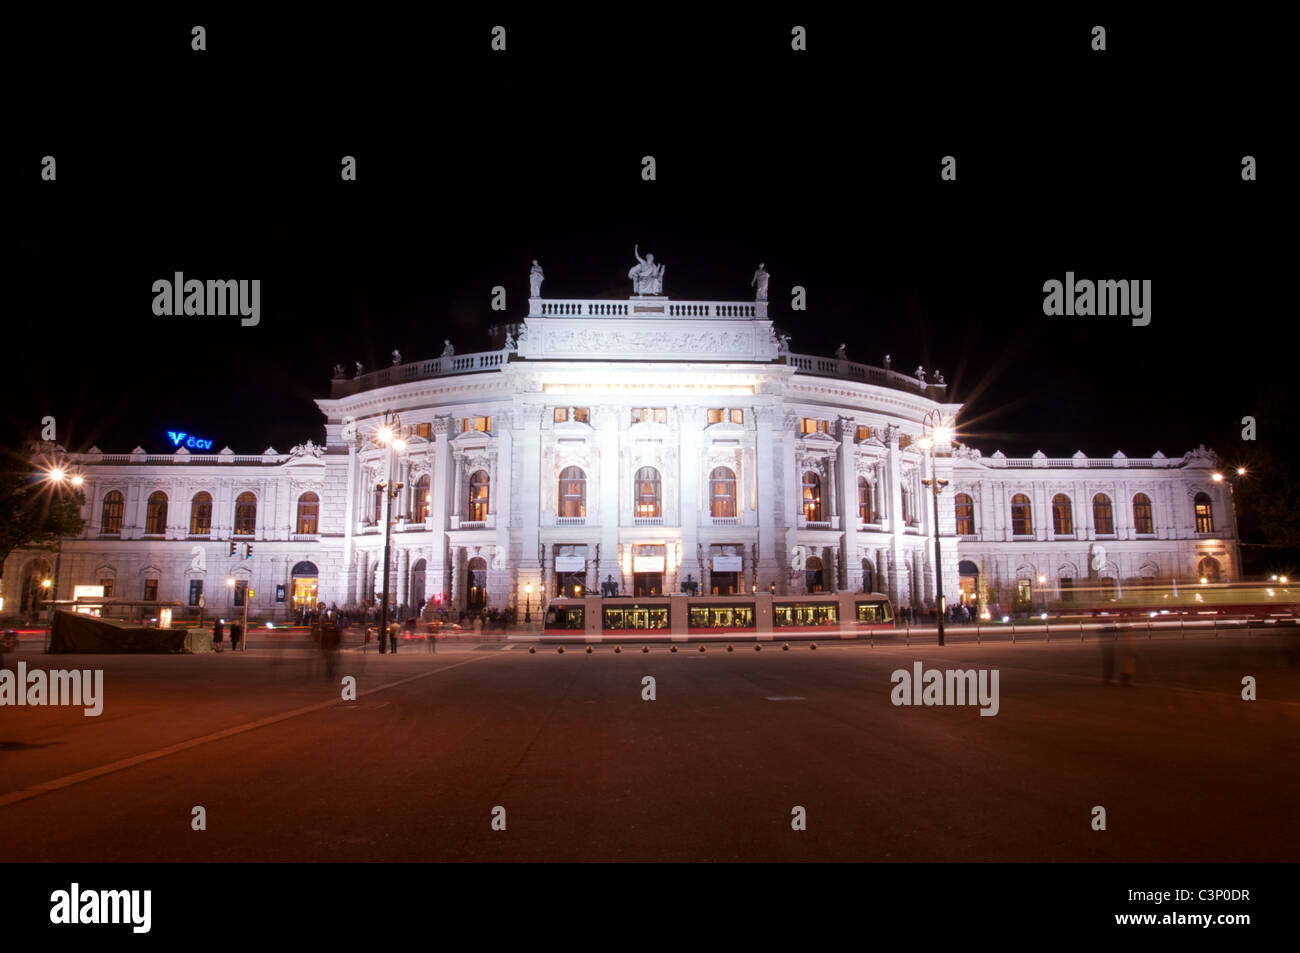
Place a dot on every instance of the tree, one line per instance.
(33, 510)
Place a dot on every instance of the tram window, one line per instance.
(636, 617)
(565, 617)
(822, 613)
(874, 612)
(722, 617)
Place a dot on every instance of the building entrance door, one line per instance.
(724, 583)
(648, 584)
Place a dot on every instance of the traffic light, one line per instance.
(232, 547)
(248, 550)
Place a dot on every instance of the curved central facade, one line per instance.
(638, 445)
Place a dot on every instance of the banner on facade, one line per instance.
(647, 564)
(570, 564)
(728, 563)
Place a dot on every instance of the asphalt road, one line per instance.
(586, 770)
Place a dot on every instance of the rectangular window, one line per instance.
(821, 613)
(807, 425)
(108, 587)
(582, 415)
(561, 414)
(424, 430)
(874, 613)
(150, 590)
(239, 594)
(737, 415)
(636, 617)
(715, 415)
(658, 415)
(196, 590)
(565, 617)
(481, 424)
(722, 617)
(1067, 589)
(864, 433)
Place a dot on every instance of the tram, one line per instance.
(757, 616)
(1262, 600)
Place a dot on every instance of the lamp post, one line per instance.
(937, 430)
(392, 436)
(1042, 587)
(57, 477)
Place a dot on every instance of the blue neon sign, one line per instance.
(179, 437)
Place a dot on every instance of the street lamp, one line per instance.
(394, 437)
(58, 477)
(938, 430)
(1042, 584)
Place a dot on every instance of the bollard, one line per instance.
(618, 650)
(1013, 631)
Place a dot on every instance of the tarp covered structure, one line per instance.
(81, 633)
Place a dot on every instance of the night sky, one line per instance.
(225, 165)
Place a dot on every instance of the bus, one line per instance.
(678, 617)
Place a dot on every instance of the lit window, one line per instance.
(737, 415)
(646, 492)
(658, 415)
(1204, 514)
(573, 493)
(865, 513)
(561, 414)
(1143, 524)
(420, 504)
(108, 587)
(155, 520)
(582, 415)
(1103, 517)
(812, 497)
(864, 433)
(424, 430)
(715, 415)
(201, 514)
(308, 513)
(965, 507)
(245, 514)
(1022, 523)
(478, 496)
(722, 492)
(1062, 515)
(481, 424)
(151, 590)
(111, 518)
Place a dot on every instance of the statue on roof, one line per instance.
(647, 277)
(535, 279)
(760, 280)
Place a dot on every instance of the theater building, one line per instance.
(643, 443)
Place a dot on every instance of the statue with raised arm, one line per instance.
(535, 279)
(760, 282)
(647, 277)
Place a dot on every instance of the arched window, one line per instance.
(1204, 513)
(1208, 568)
(155, 514)
(573, 493)
(479, 492)
(1062, 515)
(201, 514)
(812, 497)
(111, 517)
(865, 512)
(1143, 524)
(965, 507)
(722, 492)
(245, 514)
(1022, 520)
(308, 514)
(646, 492)
(420, 504)
(1103, 516)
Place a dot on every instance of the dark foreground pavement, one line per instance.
(711, 770)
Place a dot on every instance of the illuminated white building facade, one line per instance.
(644, 443)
